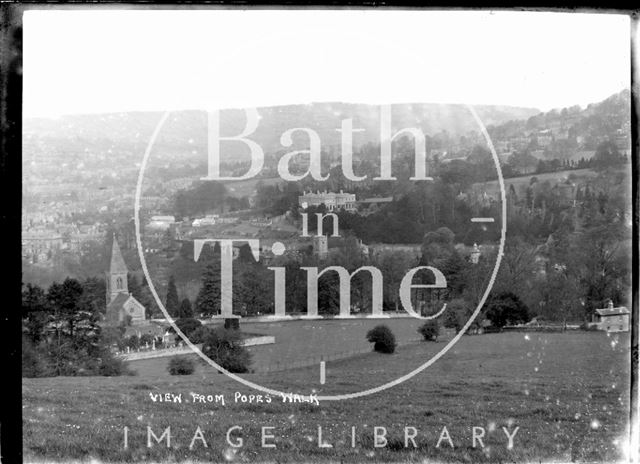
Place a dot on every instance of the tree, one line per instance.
(225, 348)
(437, 247)
(208, 299)
(516, 269)
(394, 266)
(507, 308)
(69, 341)
(382, 338)
(67, 306)
(252, 289)
(35, 312)
(185, 311)
(172, 302)
(606, 155)
(601, 259)
(456, 315)
(188, 326)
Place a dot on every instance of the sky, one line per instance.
(96, 61)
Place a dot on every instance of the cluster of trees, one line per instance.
(277, 199)
(61, 334)
(175, 307)
(582, 263)
(206, 197)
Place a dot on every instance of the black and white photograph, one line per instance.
(323, 234)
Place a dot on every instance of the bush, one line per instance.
(133, 342)
(110, 366)
(430, 330)
(383, 339)
(225, 347)
(456, 315)
(181, 365)
(146, 339)
(199, 335)
(187, 326)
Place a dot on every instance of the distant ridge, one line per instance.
(185, 129)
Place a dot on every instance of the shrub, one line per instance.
(383, 339)
(181, 365)
(456, 315)
(110, 366)
(188, 326)
(430, 330)
(199, 335)
(185, 311)
(225, 347)
(146, 339)
(133, 342)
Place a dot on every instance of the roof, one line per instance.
(117, 261)
(377, 200)
(612, 311)
(118, 301)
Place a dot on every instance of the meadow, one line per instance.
(567, 393)
(305, 342)
(493, 187)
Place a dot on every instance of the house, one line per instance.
(612, 319)
(333, 201)
(161, 222)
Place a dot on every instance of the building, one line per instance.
(333, 201)
(120, 303)
(612, 319)
(321, 246)
(38, 246)
(161, 222)
(205, 221)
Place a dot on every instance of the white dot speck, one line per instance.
(595, 424)
(278, 248)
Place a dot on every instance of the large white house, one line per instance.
(333, 201)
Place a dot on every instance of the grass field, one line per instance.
(493, 187)
(567, 393)
(303, 342)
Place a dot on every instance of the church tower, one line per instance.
(117, 274)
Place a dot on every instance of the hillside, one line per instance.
(569, 134)
(187, 129)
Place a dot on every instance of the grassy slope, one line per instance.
(493, 187)
(553, 386)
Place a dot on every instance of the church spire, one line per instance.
(118, 265)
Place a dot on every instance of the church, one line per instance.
(120, 303)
